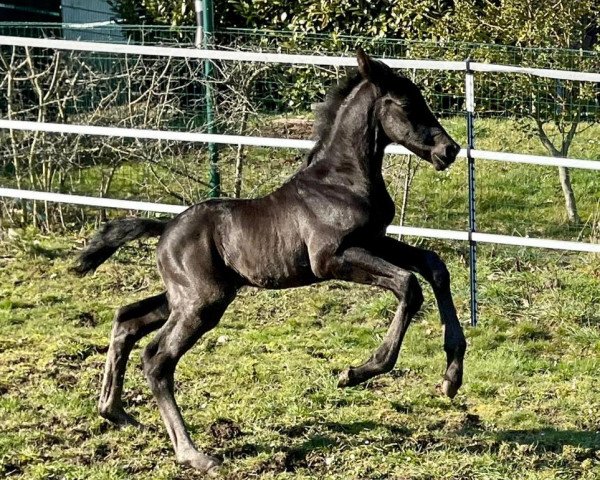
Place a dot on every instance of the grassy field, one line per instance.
(260, 390)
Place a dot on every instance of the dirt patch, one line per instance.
(136, 398)
(295, 431)
(404, 373)
(317, 354)
(479, 448)
(64, 376)
(224, 430)
(402, 407)
(288, 128)
(86, 319)
(241, 451)
(52, 440)
(135, 469)
(72, 359)
(101, 451)
(10, 469)
(292, 460)
(422, 443)
(436, 425)
(471, 420)
(81, 434)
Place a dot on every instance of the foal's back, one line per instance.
(257, 241)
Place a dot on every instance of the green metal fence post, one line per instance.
(470, 104)
(205, 16)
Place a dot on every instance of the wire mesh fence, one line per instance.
(514, 113)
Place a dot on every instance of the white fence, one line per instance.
(289, 143)
(472, 236)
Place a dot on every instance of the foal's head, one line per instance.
(405, 116)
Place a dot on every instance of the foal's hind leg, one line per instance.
(433, 269)
(131, 323)
(361, 266)
(186, 324)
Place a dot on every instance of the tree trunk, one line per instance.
(563, 172)
(567, 188)
(408, 178)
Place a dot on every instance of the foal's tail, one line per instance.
(113, 235)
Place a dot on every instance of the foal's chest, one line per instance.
(382, 208)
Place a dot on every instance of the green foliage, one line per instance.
(133, 11)
(567, 24)
(562, 24)
(165, 12)
(508, 28)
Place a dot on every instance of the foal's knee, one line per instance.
(438, 273)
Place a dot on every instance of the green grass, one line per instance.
(529, 409)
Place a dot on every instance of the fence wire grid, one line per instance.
(514, 113)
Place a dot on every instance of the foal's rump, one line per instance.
(260, 241)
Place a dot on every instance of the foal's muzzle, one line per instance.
(444, 154)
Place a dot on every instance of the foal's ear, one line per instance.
(365, 64)
(368, 68)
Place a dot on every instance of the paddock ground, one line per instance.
(260, 390)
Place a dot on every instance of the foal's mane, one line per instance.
(326, 112)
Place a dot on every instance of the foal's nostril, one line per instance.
(452, 150)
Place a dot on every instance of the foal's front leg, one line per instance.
(433, 269)
(361, 266)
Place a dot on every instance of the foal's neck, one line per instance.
(356, 137)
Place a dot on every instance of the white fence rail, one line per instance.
(294, 59)
(392, 229)
(147, 134)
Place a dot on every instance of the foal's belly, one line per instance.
(264, 247)
(269, 263)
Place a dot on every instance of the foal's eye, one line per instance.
(402, 104)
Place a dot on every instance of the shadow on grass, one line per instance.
(311, 453)
(309, 444)
(49, 253)
(352, 428)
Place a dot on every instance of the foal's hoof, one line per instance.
(200, 462)
(452, 380)
(119, 417)
(449, 388)
(347, 378)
